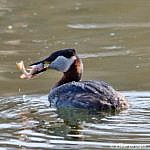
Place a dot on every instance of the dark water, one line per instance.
(112, 37)
(27, 122)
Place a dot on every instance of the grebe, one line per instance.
(71, 92)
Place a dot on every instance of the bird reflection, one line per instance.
(75, 119)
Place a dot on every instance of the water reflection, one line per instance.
(77, 116)
(28, 122)
(111, 25)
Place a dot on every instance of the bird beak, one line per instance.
(44, 65)
(55, 61)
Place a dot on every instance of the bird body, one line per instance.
(71, 92)
(90, 94)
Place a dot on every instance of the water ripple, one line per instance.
(110, 25)
(28, 122)
(105, 54)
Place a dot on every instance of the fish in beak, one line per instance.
(31, 71)
(34, 69)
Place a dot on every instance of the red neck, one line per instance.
(73, 74)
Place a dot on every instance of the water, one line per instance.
(27, 122)
(111, 37)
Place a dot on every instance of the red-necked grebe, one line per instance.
(71, 92)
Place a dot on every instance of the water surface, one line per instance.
(112, 38)
(27, 122)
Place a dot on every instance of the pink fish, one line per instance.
(28, 73)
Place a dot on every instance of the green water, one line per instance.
(113, 39)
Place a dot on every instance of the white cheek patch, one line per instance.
(62, 63)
